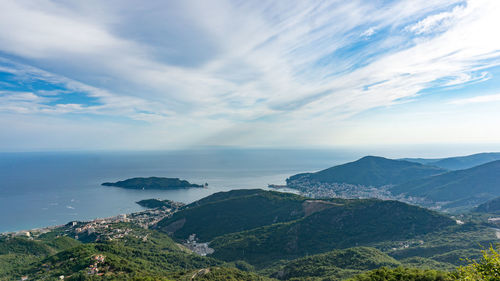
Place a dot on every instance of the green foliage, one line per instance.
(220, 214)
(448, 246)
(13, 264)
(61, 243)
(426, 263)
(121, 261)
(228, 274)
(338, 263)
(373, 171)
(152, 183)
(486, 269)
(402, 274)
(22, 245)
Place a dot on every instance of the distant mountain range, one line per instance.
(421, 183)
(460, 162)
(463, 187)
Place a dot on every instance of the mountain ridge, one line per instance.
(370, 171)
(480, 182)
(458, 162)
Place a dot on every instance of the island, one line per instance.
(154, 183)
(157, 203)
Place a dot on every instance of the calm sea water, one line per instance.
(42, 189)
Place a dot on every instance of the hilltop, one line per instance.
(153, 183)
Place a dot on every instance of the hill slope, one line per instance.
(459, 163)
(355, 222)
(491, 206)
(233, 211)
(335, 264)
(371, 171)
(477, 184)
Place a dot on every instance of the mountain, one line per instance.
(467, 187)
(259, 226)
(153, 183)
(458, 163)
(333, 225)
(370, 171)
(233, 211)
(491, 206)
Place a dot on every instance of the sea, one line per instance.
(39, 189)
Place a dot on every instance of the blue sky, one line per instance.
(175, 74)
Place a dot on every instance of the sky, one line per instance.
(140, 75)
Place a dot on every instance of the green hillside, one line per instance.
(403, 274)
(475, 185)
(133, 257)
(371, 171)
(459, 163)
(335, 264)
(234, 211)
(352, 223)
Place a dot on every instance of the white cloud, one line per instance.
(221, 65)
(437, 22)
(478, 99)
(369, 32)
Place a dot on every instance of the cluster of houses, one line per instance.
(94, 268)
(316, 189)
(149, 217)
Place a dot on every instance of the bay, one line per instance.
(43, 188)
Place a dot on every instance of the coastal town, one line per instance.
(317, 189)
(102, 229)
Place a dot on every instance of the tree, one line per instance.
(487, 269)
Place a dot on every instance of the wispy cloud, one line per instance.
(220, 66)
(369, 32)
(438, 22)
(478, 99)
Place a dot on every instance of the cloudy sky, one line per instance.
(174, 74)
